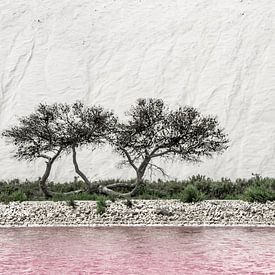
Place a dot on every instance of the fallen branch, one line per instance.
(120, 184)
(107, 191)
(69, 193)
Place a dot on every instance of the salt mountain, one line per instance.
(215, 55)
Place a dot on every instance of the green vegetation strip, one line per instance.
(196, 188)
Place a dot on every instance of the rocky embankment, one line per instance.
(157, 212)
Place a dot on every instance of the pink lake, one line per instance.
(137, 250)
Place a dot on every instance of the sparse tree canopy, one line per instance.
(85, 125)
(88, 126)
(154, 131)
(151, 131)
(55, 129)
(39, 135)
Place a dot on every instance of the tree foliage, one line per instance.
(155, 131)
(38, 135)
(152, 130)
(86, 125)
(58, 128)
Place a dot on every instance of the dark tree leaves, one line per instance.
(57, 127)
(153, 130)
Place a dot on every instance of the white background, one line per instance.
(218, 56)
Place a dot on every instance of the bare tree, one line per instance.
(154, 131)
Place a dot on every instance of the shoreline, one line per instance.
(143, 213)
(208, 226)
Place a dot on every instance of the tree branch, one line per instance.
(120, 184)
(161, 154)
(44, 156)
(105, 190)
(77, 170)
(129, 158)
(57, 154)
(152, 166)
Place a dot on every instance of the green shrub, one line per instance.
(191, 194)
(259, 194)
(219, 190)
(18, 196)
(129, 203)
(172, 189)
(101, 206)
(86, 197)
(59, 197)
(14, 196)
(4, 198)
(233, 197)
(112, 198)
(71, 203)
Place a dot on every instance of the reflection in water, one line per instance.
(137, 250)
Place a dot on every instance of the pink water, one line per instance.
(137, 250)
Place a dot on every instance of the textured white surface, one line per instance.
(216, 55)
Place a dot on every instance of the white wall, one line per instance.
(212, 54)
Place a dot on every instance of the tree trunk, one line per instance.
(121, 185)
(43, 180)
(90, 186)
(106, 189)
(140, 174)
(137, 186)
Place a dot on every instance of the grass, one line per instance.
(71, 203)
(101, 206)
(191, 194)
(129, 203)
(258, 194)
(254, 189)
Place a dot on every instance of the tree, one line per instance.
(154, 131)
(88, 126)
(39, 135)
(56, 129)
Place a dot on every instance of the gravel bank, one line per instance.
(143, 212)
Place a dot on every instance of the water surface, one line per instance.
(137, 250)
